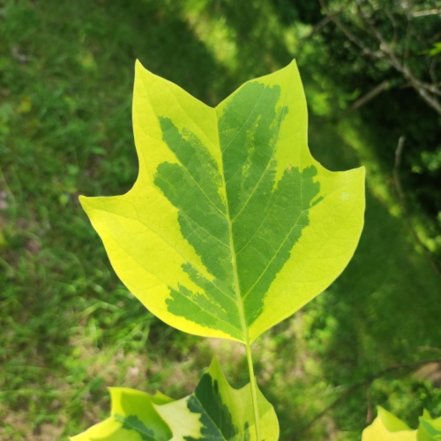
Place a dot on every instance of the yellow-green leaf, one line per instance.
(133, 417)
(215, 411)
(231, 225)
(429, 428)
(387, 427)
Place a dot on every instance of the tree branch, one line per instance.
(402, 199)
(379, 88)
(423, 89)
(428, 92)
(426, 13)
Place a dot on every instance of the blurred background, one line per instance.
(69, 328)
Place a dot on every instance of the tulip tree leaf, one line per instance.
(231, 225)
(387, 427)
(133, 417)
(214, 412)
(429, 428)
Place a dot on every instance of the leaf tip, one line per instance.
(84, 202)
(139, 66)
(214, 365)
(290, 69)
(141, 71)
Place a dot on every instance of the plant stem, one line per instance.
(253, 385)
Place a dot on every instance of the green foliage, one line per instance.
(393, 52)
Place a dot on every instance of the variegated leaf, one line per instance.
(214, 412)
(429, 428)
(387, 427)
(231, 225)
(133, 417)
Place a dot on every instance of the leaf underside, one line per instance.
(231, 225)
(214, 412)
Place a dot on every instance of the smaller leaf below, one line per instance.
(214, 411)
(387, 427)
(429, 428)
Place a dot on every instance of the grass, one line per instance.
(70, 329)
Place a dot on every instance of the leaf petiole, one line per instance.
(253, 385)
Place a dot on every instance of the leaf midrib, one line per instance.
(236, 285)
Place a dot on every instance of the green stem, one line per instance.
(253, 390)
